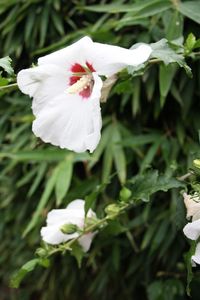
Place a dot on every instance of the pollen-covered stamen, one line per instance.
(85, 82)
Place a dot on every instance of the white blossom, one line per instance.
(66, 90)
(192, 204)
(74, 214)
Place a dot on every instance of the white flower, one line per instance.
(196, 257)
(192, 230)
(192, 204)
(66, 90)
(74, 213)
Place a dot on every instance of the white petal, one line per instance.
(65, 216)
(108, 60)
(196, 256)
(43, 83)
(74, 53)
(192, 205)
(77, 204)
(192, 230)
(71, 122)
(86, 240)
(52, 235)
(105, 59)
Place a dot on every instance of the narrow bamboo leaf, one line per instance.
(63, 180)
(118, 154)
(166, 75)
(107, 163)
(27, 268)
(190, 9)
(116, 8)
(105, 137)
(136, 95)
(43, 201)
(150, 155)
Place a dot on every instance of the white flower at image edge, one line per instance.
(74, 213)
(192, 231)
(66, 90)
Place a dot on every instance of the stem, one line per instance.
(185, 176)
(8, 86)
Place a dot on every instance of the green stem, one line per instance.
(13, 85)
(90, 229)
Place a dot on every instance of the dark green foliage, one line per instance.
(150, 121)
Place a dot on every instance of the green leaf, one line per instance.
(136, 96)
(190, 9)
(27, 268)
(77, 252)
(44, 155)
(144, 185)
(188, 261)
(91, 198)
(140, 140)
(107, 164)
(64, 176)
(145, 5)
(163, 52)
(190, 42)
(118, 154)
(151, 153)
(3, 81)
(43, 201)
(5, 63)
(166, 75)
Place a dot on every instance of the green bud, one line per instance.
(112, 209)
(196, 163)
(90, 221)
(41, 252)
(68, 228)
(125, 194)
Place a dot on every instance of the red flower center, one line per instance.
(81, 71)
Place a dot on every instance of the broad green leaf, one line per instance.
(163, 52)
(5, 63)
(64, 176)
(144, 185)
(190, 9)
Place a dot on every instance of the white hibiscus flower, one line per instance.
(57, 219)
(66, 90)
(192, 204)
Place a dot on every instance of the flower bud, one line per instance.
(112, 209)
(125, 194)
(41, 252)
(68, 228)
(196, 163)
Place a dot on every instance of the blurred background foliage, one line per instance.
(149, 121)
